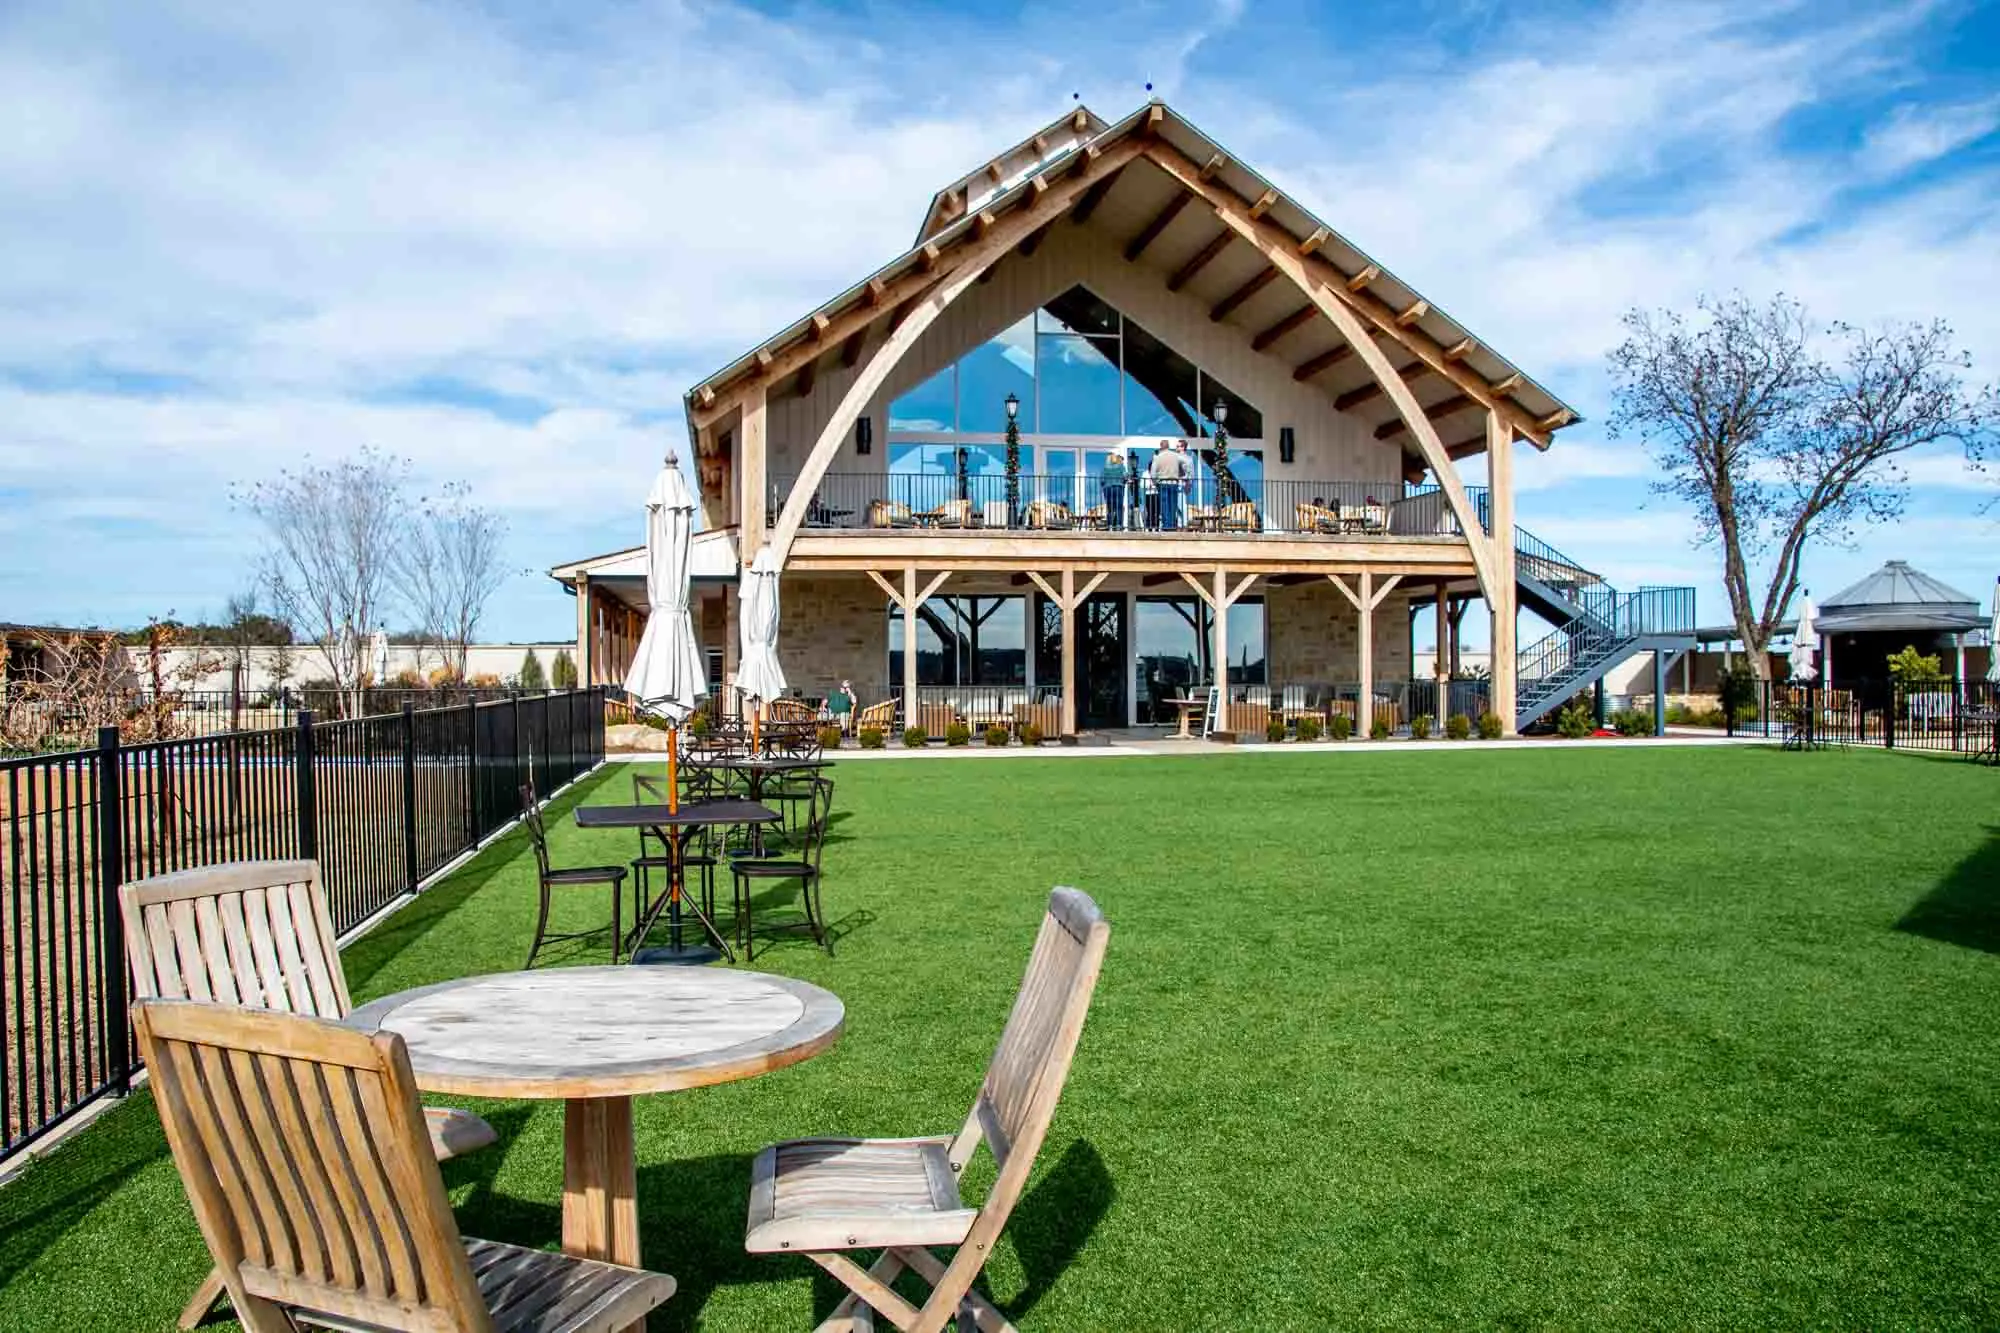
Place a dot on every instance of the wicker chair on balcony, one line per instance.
(1308, 517)
(1241, 516)
(950, 514)
(890, 514)
(789, 710)
(881, 716)
(1049, 514)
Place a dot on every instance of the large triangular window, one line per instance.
(1077, 367)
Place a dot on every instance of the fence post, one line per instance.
(1889, 721)
(514, 703)
(410, 792)
(306, 786)
(472, 772)
(114, 988)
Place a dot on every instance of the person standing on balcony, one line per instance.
(1111, 480)
(1166, 474)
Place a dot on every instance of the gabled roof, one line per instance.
(1037, 152)
(711, 555)
(964, 211)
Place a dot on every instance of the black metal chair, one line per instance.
(655, 854)
(549, 878)
(805, 868)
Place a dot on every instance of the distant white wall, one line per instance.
(309, 663)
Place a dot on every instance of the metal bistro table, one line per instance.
(758, 769)
(676, 828)
(594, 1038)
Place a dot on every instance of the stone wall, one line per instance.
(833, 626)
(1314, 635)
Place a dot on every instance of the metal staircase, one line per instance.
(1597, 627)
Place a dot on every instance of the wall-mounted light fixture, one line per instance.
(1287, 446)
(864, 435)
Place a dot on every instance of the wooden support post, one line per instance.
(1501, 589)
(1068, 601)
(1366, 711)
(1441, 620)
(583, 636)
(751, 448)
(732, 648)
(909, 646)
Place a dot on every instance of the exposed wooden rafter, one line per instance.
(803, 385)
(1326, 360)
(1213, 165)
(1161, 221)
(1200, 260)
(1034, 241)
(1091, 199)
(850, 351)
(820, 324)
(1444, 407)
(1265, 202)
(1352, 293)
(982, 224)
(1311, 244)
(1220, 311)
(1461, 349)
(927, 259)
(1298, 319)
(1416, 311)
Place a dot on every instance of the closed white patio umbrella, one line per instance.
(759, 676)
(1805, 644)
(1993, 638)
(666, 678)
(378, 645)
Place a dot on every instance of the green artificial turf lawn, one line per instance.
(1576, 1036)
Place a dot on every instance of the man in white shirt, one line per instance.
(1168, 470)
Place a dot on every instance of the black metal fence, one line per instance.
(1947, 716)
(381, 802)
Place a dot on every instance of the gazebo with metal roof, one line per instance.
(1896, 607)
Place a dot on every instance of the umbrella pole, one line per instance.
(673, 770)
(756, 716)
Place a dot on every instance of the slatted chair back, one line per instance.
(1024, 1082)
(538, 836)
(882, 715)
(252, 933)
(789, 710)
(303, 1151)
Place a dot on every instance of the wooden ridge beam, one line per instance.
(1200, 260)
(1333, 356)
(1220, 311)
(1298, 319)
(1161, 221)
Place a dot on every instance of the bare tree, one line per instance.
(448, 570)
(334, 531)
(68, 685)
(1773, 445)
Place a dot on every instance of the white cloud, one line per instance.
(1915, 134)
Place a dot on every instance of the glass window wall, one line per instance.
(965, 641)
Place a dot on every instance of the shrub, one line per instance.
(530, 676)
(1489, 726)
(1274, 730)
(699, 726)
(1910, 667)
(1031, 734)
(915, 738)
(958, 734)
(871, 738)
(829, 738)
(1420, 727)
(1310, 728)
(443, 678)
(1379, 731)
(485, 680)
(1574, 722)
(1341, 727)
(1737, 688)
(996, 737)
(562, 672)
(1632, 722)
(1457, 727)
(407, 679)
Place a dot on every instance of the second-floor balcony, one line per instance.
(885, 503)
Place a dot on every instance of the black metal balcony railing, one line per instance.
(929, 502)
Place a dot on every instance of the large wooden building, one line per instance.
(1112, 290)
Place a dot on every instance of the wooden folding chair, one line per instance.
(256, 934)
(302, 1149)
(824, 1197)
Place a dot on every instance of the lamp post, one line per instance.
(1225, 483)
(1013, 460)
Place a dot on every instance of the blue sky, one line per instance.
(502, 239)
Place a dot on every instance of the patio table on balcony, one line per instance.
(674, 828)
(594, 1038)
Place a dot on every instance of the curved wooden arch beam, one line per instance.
(1286, 259)
(960, 269)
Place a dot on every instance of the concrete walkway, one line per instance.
(1128, 744)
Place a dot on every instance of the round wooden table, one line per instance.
(596, 1037)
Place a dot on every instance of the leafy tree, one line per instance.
(562, 672)
(530, 676)
(1910, 667)
(1776, 435)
